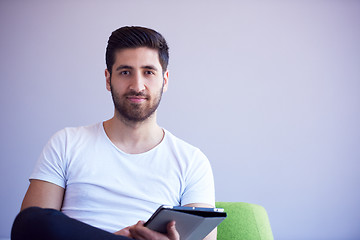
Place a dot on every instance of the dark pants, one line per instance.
(48, 224)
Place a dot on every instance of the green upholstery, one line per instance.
(244, 221)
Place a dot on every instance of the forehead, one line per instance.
(137, 57)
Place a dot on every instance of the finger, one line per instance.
(172, 233)
(124, 232)
(139, 232)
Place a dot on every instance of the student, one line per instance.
(98, 181)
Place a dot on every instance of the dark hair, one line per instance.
(133, 37)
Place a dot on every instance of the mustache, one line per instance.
(133, 93)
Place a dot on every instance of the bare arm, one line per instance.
(213, 234)
(43, 194)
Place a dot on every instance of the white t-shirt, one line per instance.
(110, 189)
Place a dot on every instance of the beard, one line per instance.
(136, 112)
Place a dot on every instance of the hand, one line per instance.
(139, 232)
(124, 232)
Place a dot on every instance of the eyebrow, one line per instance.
(151, 67)
(122, 67)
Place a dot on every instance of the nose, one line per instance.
(137, 83)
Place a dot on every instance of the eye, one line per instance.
(124, 72)
(149, 72)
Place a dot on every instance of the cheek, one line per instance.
(115, 85)
(158, 84)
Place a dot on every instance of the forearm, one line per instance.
(212, 235)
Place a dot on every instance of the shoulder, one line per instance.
(183, 149)
(75, 134)
(78, 131)
(177, 142)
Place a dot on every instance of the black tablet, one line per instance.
(192, 223)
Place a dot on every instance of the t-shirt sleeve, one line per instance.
(199, 182)
(50, 166)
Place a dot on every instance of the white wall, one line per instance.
(270, 91)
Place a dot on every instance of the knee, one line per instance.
(28, 215)
(28, 222)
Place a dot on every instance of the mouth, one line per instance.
(136, 99)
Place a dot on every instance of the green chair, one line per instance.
(244, 221)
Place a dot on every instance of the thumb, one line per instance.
(172, 233)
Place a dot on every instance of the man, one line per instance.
(106, 177)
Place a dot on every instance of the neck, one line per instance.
(134, 138)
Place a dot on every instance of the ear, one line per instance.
(166, 79)
(108, 80)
